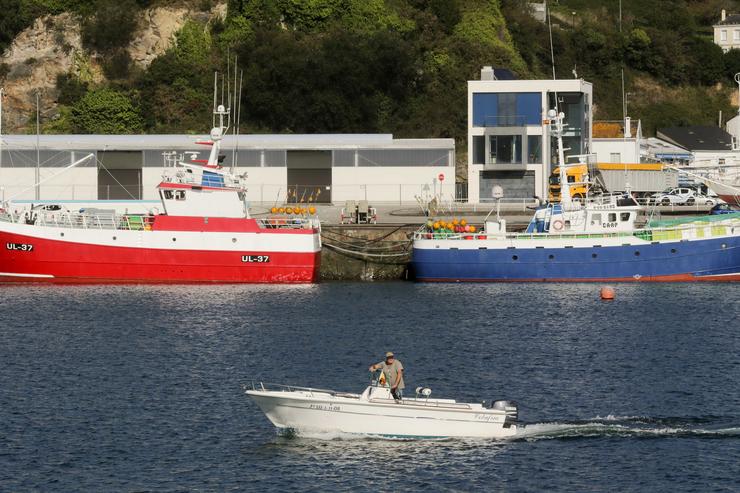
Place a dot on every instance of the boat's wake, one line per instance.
(709, 427)
(631, 427)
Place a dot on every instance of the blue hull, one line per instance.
(707, 260)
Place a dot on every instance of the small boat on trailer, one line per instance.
(374, 412)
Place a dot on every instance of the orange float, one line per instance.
(607, 293)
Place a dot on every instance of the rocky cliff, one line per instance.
(53, 46)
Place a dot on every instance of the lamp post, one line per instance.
(572, 20)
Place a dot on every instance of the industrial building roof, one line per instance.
(697, 138)
(252, 141)
(660, 149)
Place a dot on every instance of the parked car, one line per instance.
(681, 196)
(723, 209)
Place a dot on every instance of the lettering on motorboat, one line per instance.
(21, 247)
(324, 407)
(259, 259)
(486, 417)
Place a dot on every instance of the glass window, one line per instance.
(612, 217)
(615, 157)
(479, 149)
(485, 109)
(505, 149)
(506, 109)
(624, 216)
(723, 35)
(507, 115)
(596, 219)
(736, 35)
(534, 149)
(529, 107)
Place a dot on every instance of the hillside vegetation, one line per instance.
(397, 66)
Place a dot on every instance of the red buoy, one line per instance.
(607, 293)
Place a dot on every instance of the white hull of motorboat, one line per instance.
(375, 413)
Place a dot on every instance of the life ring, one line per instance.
(557, 225)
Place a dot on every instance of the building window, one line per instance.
(723, 35)
(479, 149)
(736, 35)
(506, 109)
(505, 149)
(615, 157)
(534, 149)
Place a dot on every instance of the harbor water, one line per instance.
(139, 388)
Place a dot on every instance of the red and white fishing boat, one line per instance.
(202, 234)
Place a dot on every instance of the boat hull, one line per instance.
(677, 261)
(336, 415)
(33, 254)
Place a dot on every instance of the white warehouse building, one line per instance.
(280, 168)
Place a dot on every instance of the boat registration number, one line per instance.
(324, 407)
(259, 259)
(21, 247)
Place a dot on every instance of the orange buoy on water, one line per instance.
(312, 210)
(607, 293)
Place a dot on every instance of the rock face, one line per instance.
(37, 55)
(158, 27)
(53, 46)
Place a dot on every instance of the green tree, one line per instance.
(732, 64)
(707, 61)
(112, 27)
(106, 111)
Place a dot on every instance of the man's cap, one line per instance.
(388, 354)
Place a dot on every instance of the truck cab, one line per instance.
(577, 179)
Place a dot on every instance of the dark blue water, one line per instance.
(139, 388)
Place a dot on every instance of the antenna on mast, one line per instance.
(215, 90)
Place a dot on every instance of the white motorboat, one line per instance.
(309, 411)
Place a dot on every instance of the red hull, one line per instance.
(731, 199)
(66, 262)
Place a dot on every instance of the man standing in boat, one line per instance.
(393, 372)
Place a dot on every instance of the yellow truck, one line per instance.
(643, 179)
(577, 179)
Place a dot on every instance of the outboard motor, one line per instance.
(509, 407)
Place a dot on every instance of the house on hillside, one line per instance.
(709, 146)
(727, 31)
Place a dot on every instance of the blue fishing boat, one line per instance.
(592, 240)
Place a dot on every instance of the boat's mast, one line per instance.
(557, 130)
(38, 151)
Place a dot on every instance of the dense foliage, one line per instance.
(106, 111)
(397, 66)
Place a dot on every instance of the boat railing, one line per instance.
(80, 220)
(716, 228)
(288, 223)
(270, 386)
